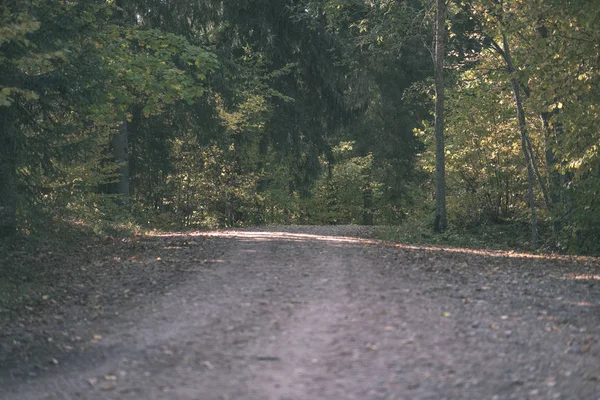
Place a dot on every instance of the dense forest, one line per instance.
(204, 114)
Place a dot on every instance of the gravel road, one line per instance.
(316, 313)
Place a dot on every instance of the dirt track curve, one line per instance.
(308, 314)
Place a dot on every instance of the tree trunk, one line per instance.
(8, 203)
(119, 142)
(524, 139)
(367, 217)
(560, 184)
(133, 146)
(536, 170)
(554, 181)
(440, 222)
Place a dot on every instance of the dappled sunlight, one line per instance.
(583, 277)
(298, 237)
(498, 253)
(252, 236)
(583, 304)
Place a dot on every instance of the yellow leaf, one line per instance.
(446, 314)
(45, 297)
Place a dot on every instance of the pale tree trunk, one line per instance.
(524, 138)
(440, 222)
(536, 170)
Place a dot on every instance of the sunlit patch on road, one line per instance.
(301, 237)
(583, 304)
(583, 277)
(305, 237)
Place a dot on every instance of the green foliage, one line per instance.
(555, 53)
(338, 196)
(151, 67)
(513, 235)
(317, 111)
(14, 28)
(80, 73)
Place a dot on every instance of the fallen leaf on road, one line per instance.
(550, 382)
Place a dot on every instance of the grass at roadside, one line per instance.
(505, 236)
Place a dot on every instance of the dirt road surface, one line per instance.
(310, 313)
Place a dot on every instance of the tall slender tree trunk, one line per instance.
(536, 171)
(367, 217)
(8, 195)
(524, 139)
(120, 140)
(554, 181)
(440, 222)
(133, 135)
(120, 146)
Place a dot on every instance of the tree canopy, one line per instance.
(206, 113)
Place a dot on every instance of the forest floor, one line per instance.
(291, 313)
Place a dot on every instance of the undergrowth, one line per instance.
(509, 235)
(36, 255)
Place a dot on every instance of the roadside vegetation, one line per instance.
(125, 116)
